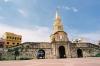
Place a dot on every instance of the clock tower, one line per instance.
(59, 39)
(58, 33)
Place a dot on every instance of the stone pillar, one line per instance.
(69, 50)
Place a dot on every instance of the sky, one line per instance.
(33, 19)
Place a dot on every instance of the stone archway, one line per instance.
(41, 54)
(62, 53)
(79, 53)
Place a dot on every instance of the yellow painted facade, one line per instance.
(12, 39)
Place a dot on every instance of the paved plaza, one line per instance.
(54, 62)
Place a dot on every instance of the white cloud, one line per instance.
(66, 7)
(93, 37)
(35, 34)
(23, 12)
(74, 9)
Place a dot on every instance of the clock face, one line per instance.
(60, 36)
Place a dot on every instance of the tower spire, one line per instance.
(56, 13)
(57, 26)
(58, 33)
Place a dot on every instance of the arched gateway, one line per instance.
(62, 53)
(79, 53)
(41, 54)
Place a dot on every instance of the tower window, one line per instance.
(7, 42)
(10, 37)
(15, 38)
(13, 43)
(61, 37)
(1, 45)
(7, 37)
(59, 27)
(17, 43)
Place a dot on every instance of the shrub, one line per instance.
(98, 55)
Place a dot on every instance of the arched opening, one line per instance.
(79, 53)
(62, 53)
(41, 54)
